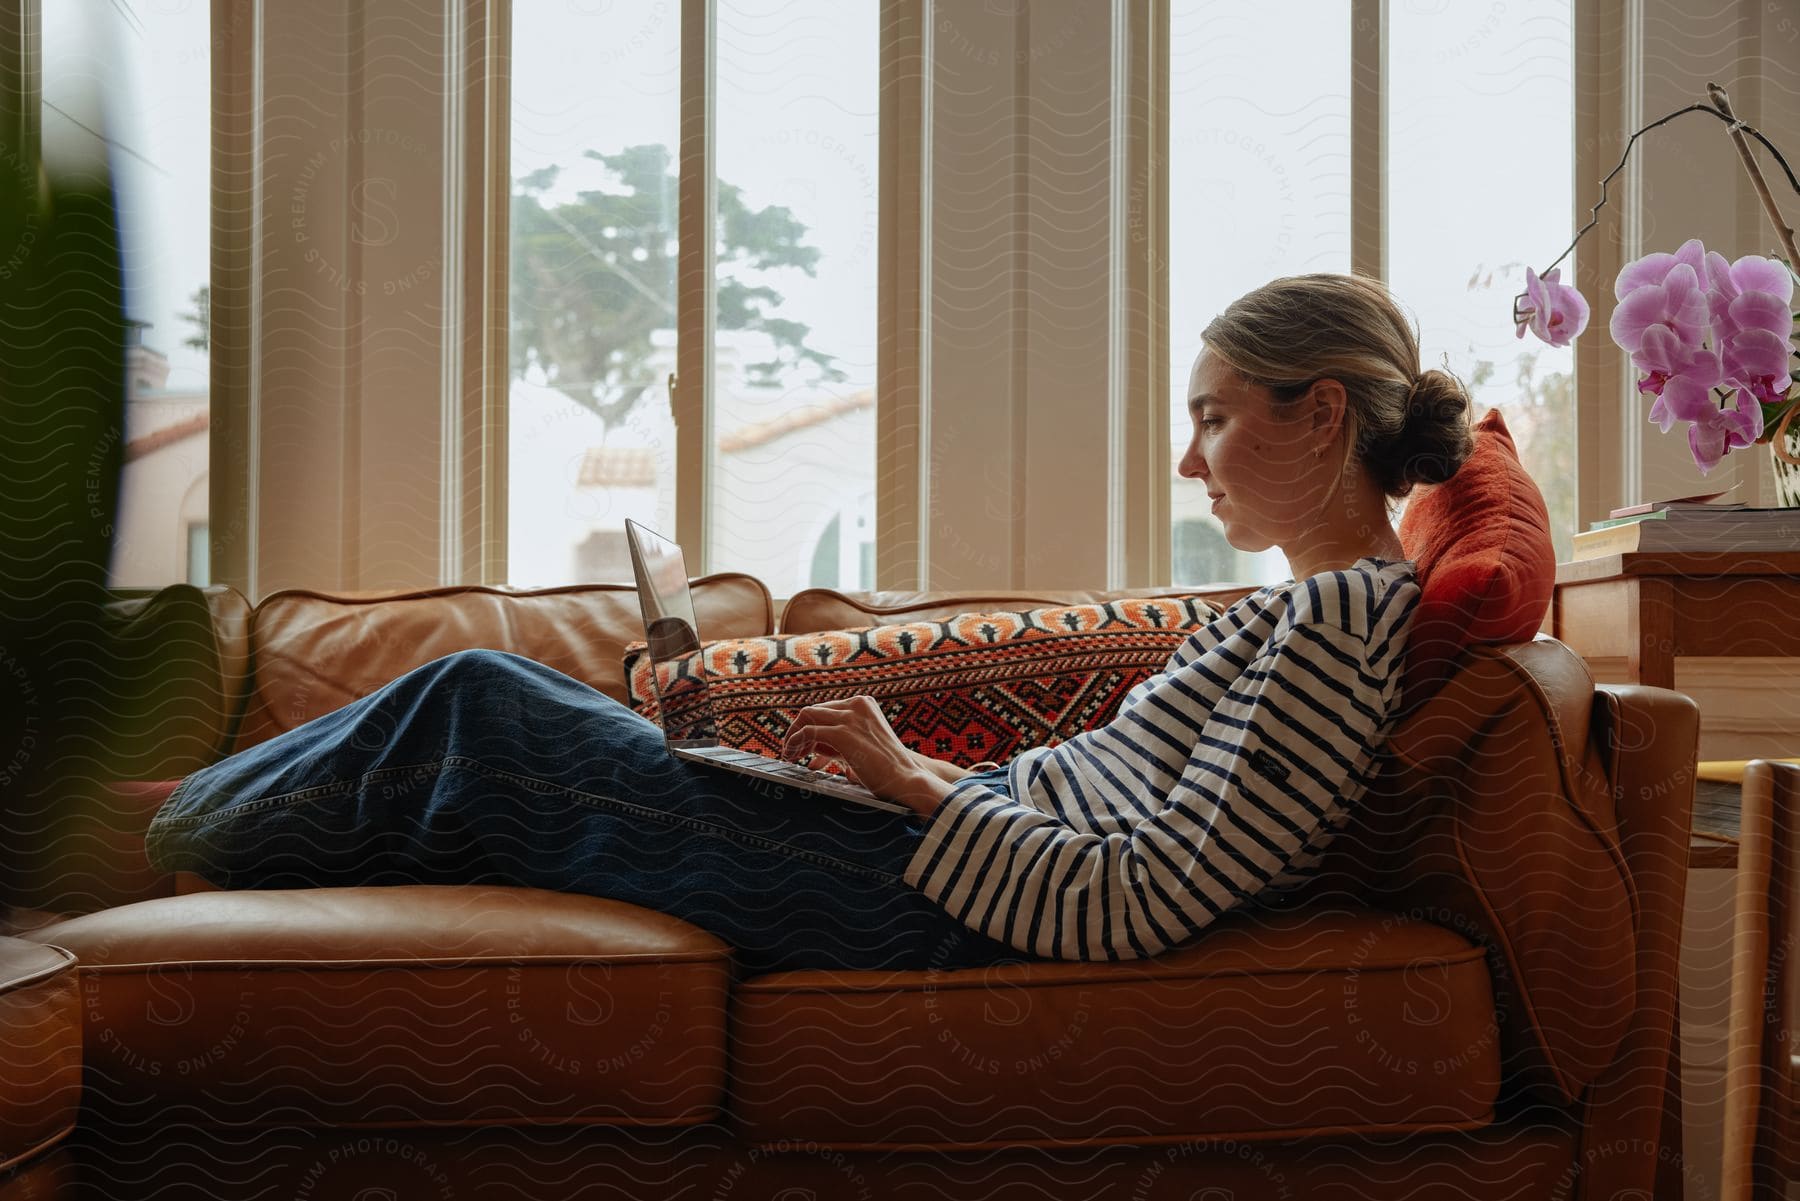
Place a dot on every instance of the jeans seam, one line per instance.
(336, 787)
(665, 818)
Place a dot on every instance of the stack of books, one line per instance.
(1691, 524)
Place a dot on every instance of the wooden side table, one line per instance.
(1630, 616)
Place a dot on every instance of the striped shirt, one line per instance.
(1222, 775)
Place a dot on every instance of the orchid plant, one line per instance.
(1715, 340)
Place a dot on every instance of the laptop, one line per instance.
(678, 672)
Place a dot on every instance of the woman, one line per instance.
(1218, 782)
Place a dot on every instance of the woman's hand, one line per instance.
(855, 732)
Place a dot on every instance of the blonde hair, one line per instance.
(1411, 426)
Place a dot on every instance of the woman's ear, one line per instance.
(1330, 407)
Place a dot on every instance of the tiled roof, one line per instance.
(635, 466)
(618, 467)
(757, 433)
(138, 447)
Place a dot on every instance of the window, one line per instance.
(154, 118)
(844, 555)
(1479, 119)
(1259, 187)
(715, 213)
(595, 224)
(199, 568)
(595, 133)
(793, 389)
(1479, 114)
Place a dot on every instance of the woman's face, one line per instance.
(1265, 475)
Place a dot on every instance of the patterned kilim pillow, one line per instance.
(967, 688)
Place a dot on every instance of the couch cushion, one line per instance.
(1279, 1022)
(1486, 565)
(962, 689)
(40, 1049)
(314, 652)
(415, 1004)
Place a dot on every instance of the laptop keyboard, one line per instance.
(773, 767)
(823, 782)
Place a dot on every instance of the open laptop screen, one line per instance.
(673, 633)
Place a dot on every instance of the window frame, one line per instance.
(1606, 89)
(472, 533)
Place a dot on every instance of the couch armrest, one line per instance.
(1651, 739)
(92, 849)
(40, 1050)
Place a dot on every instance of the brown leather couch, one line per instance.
(1475, 1001)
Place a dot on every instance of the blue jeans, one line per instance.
(487, 767)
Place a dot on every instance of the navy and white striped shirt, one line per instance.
(1224, 774)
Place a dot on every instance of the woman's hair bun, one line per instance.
(1434, 439)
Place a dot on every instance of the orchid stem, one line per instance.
(1722, 102)
(1739, 129)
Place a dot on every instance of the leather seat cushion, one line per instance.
(1300, 1021)
(40, 1049)
(404, 1005)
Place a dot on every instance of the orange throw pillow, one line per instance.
(1486, 565)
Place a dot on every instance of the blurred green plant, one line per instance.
(62, 421)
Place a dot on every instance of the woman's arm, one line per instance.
(949, 772)
(1270, 772)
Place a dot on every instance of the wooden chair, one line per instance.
(1761, 1142)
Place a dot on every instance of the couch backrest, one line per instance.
(313, 652)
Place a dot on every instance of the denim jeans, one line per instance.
(488, 767)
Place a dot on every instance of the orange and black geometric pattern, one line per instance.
(962, 689)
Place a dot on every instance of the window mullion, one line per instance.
(902, 337)
(487, 379)
(696, 265)
(1368, 137)
(1139, 455)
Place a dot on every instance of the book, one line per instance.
(1757, 531)
(1708, 515)
(1708, 502)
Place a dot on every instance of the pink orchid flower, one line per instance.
(1678, 302)
(1655, 268)
(1756, 361)
(1692, 368)
(1554, 311)
(1682, 398)
(1718, 431)
(1753, 276)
